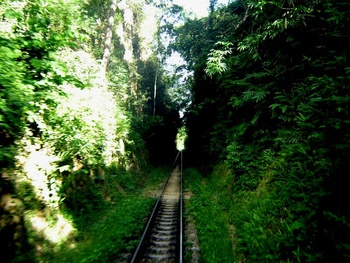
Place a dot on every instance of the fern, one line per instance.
(255, 95)
(216, 59)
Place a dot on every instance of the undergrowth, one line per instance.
(104, 230)
(282, 218)
(114, 231)
(211, 217)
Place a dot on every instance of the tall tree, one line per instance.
(109, 35)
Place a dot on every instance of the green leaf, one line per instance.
(273, 106)
(9, 53)
(12, 14)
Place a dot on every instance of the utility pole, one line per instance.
(155, 93)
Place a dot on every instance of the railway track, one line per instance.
(162, 237)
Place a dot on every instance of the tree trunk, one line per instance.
(109, 35)
(155, 93)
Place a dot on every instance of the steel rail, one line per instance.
(181, 220)
(151, 218)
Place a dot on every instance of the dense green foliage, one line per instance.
(271, 101)
(76, 133)
(85, 106)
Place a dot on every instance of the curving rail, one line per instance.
(162, 238)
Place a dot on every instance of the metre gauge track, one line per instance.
(162, 237)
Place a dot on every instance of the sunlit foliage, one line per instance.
(71, 130)
(181, 138)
